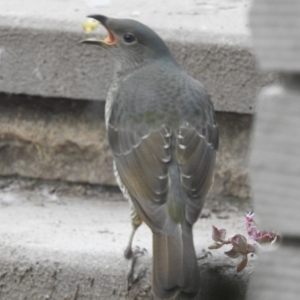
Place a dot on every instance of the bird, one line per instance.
(163, 133)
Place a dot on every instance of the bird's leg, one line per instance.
(136, 221)
(128, 251)
(136, 269)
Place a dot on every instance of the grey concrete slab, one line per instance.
(40, 54)
(55, 246)
(276, 275)
(189, 15)
(275, 158)
(276, 34)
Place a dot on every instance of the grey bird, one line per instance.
(164, 137)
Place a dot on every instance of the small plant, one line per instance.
(240, 246)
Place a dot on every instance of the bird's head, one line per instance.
(130, 42)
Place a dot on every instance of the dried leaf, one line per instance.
(241, 266)
(215, 246)
(239, 242)
(218, 235)
(232, 253)
(222, 233)
(267, 237)
(242, 243)
(251, 248)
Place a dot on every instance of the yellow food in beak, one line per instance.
(90, 25)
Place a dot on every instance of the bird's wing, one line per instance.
(196, 146)
(142, 134)
(141, 155)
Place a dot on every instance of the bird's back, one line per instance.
(161, 105)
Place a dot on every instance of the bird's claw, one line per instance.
(203, 254)
(130, 253)
(136, 271)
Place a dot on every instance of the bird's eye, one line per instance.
(129, 38)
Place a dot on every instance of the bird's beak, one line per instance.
(91, 24)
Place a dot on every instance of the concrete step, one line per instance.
(67, 241)
(52, 136)
(40, 53)
(64, 139)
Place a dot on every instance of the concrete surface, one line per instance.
(275, 160)
(40, 54)
(276, 275)
(276, 34)
(65, 140)
(66, 242)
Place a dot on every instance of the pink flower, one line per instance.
(240, 246)
(254, 233)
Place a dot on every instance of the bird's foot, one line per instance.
(137, 268)
(137, 251)
(128, 253)
(203, 254)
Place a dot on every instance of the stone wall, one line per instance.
(64, 139)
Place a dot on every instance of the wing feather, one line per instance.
(164, 157)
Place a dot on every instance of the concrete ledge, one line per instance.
(63, 139)
(40, 54)
(55, 246)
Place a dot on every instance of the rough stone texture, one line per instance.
(40, 53)
(276, 34)
(40, 275)
(54, 139)
(231, 177)
(66, 140)
(275, 159)
(60, 247)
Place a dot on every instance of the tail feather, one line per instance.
(174, 268)
(190, 270)
(166, 265)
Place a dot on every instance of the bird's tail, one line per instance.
(175, 270)
(190, 271)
